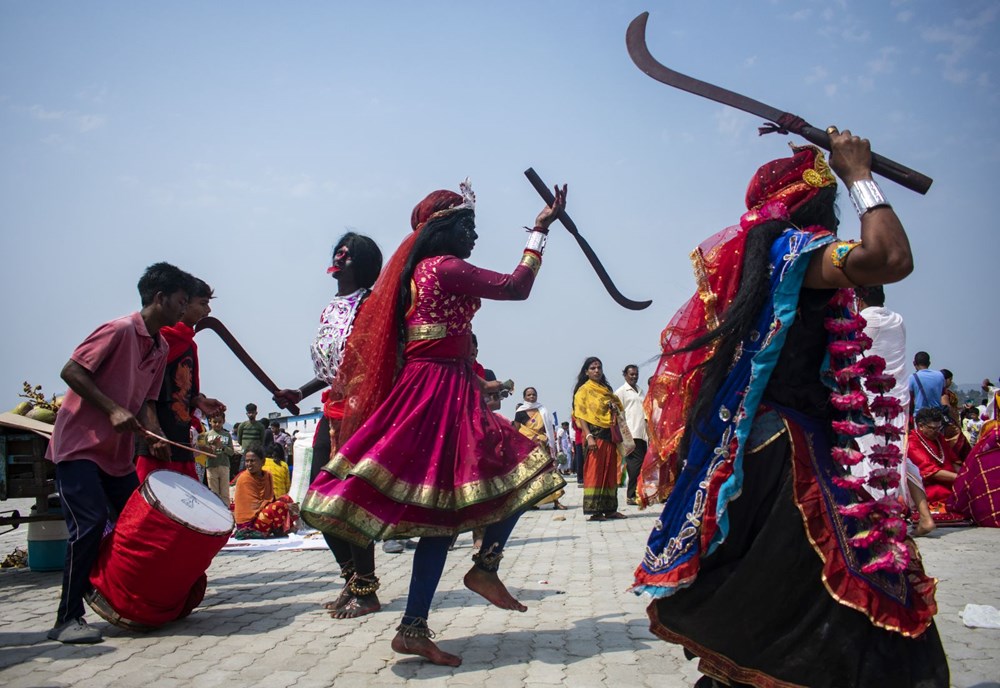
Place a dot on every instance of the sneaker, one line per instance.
(392, 547)
(76, 631)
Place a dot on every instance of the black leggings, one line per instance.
(350, 557)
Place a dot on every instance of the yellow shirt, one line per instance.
(280, 475)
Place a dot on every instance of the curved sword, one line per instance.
(783, 122)
(214, 324)
(546, 193)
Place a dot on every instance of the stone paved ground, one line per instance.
(261, 622)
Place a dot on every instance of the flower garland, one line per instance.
(880, 529)
(880, 526)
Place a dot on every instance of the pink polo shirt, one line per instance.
(127, 364)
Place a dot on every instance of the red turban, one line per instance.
(434, 203)
(793, 181)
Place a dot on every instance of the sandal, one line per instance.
(597, 517)
(560, 507)
(615, 516)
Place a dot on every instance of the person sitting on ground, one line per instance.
(257, 512)
(978, 482)
(937, 462)
(275, 464)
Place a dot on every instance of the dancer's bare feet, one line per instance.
(343, 598)
(488, 585)
(426, 648)
(357, 606)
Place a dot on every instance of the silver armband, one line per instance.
(865, 195)
(536, 242)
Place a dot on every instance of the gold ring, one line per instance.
(831, 129)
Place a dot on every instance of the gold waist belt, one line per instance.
(419, 333)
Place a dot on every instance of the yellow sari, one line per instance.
(598, 406)
(534, 429)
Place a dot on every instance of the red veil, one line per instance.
(717, 262)
(777, 189)
(372, 354)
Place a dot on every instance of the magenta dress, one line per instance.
(432, 459)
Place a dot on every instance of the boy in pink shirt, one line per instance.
(180, 393)
(112, 376)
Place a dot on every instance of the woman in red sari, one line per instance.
(937, 461)
(428, 459)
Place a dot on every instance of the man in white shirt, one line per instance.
(888, 335)
(631, 397)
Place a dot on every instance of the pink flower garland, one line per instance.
(882, 530)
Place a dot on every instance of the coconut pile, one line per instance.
(36, 406)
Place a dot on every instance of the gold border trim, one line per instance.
(433, 497)
(770, 440)
(819, 552)
(354, 523)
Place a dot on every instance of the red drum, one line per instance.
(151, 569)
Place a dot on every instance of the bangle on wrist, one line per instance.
(865, 195)
(536, 242)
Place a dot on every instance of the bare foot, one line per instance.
(342, 599)
(357, 606)
(424, 647)
(924, 527)
(489, 585)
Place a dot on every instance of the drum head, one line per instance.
(188, 502)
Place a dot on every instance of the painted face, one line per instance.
(466, 236)
(197, 308)
(530, 395)
(595, 370)
(632, 376)
(342, 261)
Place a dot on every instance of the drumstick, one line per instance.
(153, 435)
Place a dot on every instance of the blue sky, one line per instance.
(240, 139)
